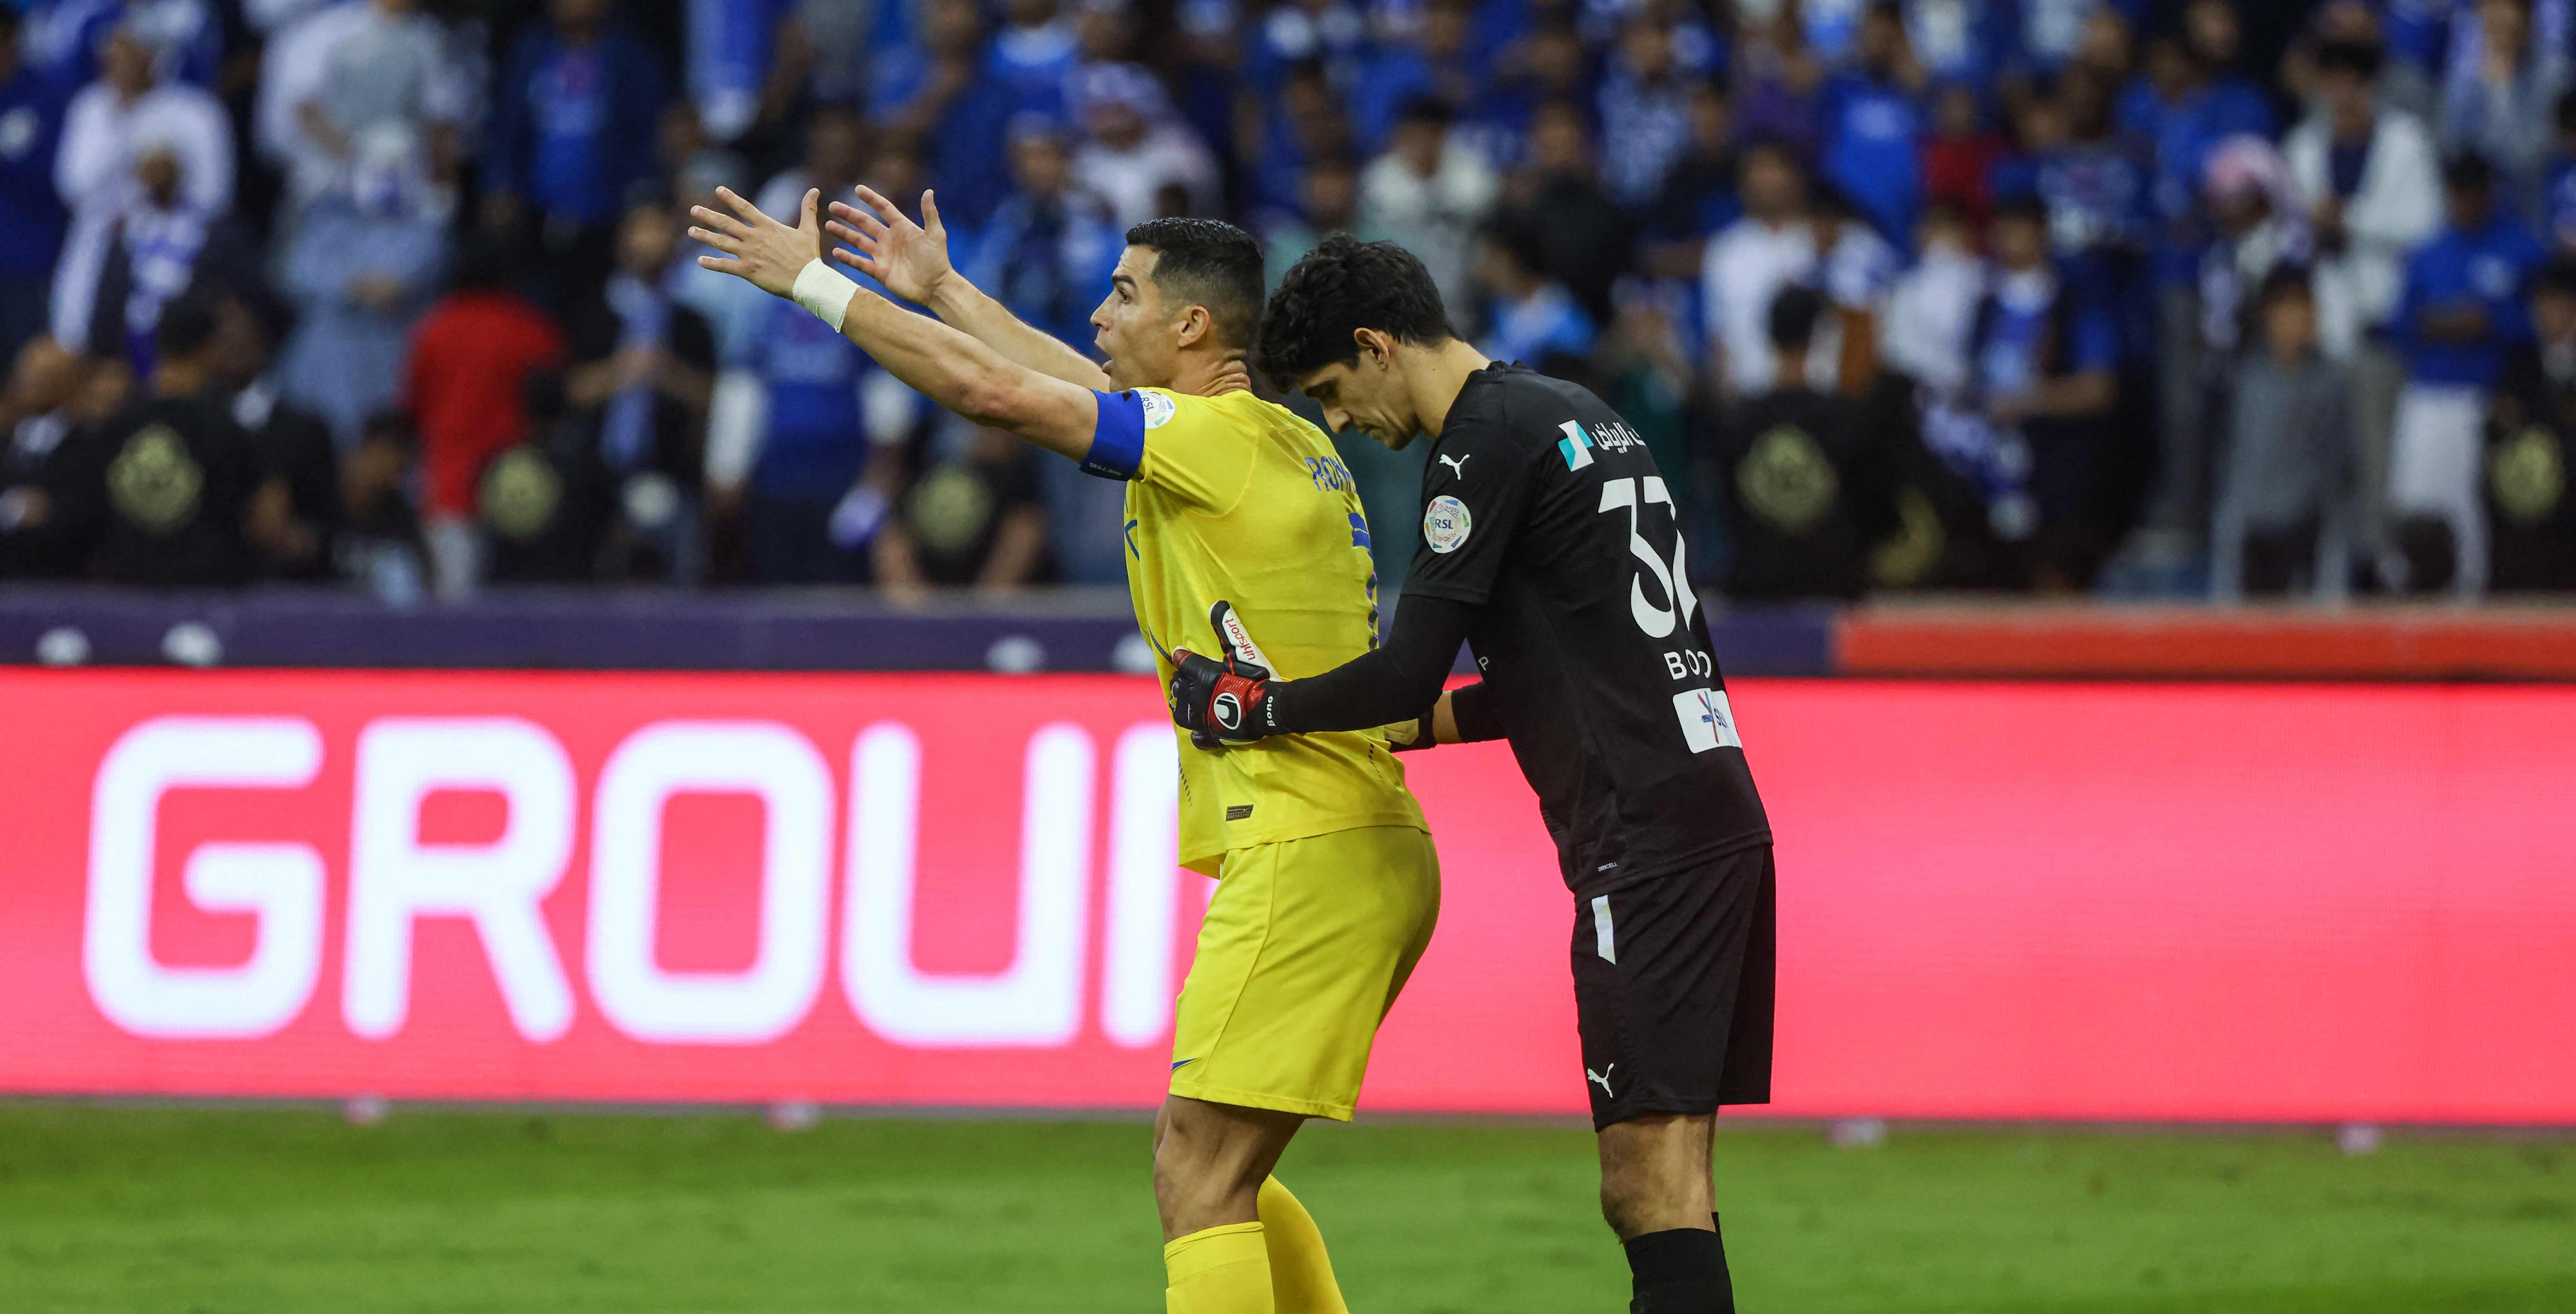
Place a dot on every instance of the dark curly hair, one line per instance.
(1211, 263)
(1341, 286)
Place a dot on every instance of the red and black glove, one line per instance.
(1221, 701)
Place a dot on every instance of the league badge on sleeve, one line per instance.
(1159, 408)
(1445, 524)
(1707, 722)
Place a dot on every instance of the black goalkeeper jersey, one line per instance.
(1544, 513)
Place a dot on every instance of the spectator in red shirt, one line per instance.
(464, 385)
(1959, 156)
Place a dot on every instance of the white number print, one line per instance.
(1657, 621)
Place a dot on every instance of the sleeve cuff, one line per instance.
(1118, 438)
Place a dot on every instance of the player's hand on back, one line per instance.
(910, 259)
(764, 251)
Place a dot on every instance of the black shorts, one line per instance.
(1673, 990)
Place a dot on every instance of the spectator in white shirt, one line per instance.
(2370, 172)
(1428, 193)
(95, 170)
(1933, 309)
(1137, 157)
(1784, 240)
(111, 126)
(358, 71)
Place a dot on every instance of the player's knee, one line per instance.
(1625, 1202)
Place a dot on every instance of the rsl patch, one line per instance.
(1159, 408)
(154, 482)
(1446, 523)
(2527, 474)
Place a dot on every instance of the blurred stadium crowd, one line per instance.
(2167, 299)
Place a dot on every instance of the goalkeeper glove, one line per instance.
(1221, 702)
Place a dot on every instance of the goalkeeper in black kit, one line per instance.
(1550, 544)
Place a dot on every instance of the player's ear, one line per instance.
(1195, 324)
(1375, 346)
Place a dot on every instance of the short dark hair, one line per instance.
(1340, 287)
(1426, 109)
(1777, 147)
(2362, 59)
(2557, 278)
(2025, 206)
(189, 321)
(1211, 263)
(1791, 323)
(2467, 171)
(2287, 280)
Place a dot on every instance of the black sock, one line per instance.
(1682, 1271)
(1725, 1279)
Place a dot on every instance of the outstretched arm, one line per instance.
(947, 366)
(911, 260)
(1397, 686)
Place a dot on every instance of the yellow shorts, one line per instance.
(1305, 946)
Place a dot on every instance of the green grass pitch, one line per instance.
(222, 1211)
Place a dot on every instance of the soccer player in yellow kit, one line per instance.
(1327, 882)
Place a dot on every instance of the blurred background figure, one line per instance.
(364, 261)
(1135, 155)
(574, 118)
(1653, 176)
(465, 383)
(2281, 507)
(355, 85)
(2460, 315)
(1429, 192)
(972, 517)
(642, 374)
(169, 491)
(2531, 519)
(1801, 475)
(33, 98)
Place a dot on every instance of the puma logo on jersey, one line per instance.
(1457, 464)
(1603, 1078)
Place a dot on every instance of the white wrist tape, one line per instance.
(824, 293)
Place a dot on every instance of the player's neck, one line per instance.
(1210, 375)
(1435, 375)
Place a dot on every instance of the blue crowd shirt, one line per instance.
(729, 55)
(2418, 30)
(1547, 323)
(2558, 204)
(1873, 151)
(2097, 195)
(2489, 267)
(573, 127)
(31, 215)
(815, 444)
(1962, 40)
(2183, 134)
(570, 100)
(2012, 350)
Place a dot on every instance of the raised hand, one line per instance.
(910, 259)
(764, 251)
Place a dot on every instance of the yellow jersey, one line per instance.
(1236, 499)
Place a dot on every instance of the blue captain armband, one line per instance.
(1118, 439)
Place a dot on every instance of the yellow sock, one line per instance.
(1221, 1270)
(1301, 1273)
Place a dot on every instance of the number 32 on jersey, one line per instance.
(1706, 720)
